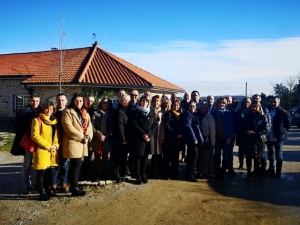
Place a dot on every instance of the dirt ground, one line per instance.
(271, 201)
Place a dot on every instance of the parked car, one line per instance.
(296, 117)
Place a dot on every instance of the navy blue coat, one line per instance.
(191, 131)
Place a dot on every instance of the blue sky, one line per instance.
(210, 46)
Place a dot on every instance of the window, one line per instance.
(20, 101)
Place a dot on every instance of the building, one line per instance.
(72, 70)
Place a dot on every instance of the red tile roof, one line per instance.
(86, 66)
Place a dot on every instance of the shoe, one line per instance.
(232, 172)
(78, 192)
(118, 180)
(43, 195)
(278, 175)
(27, 191)
(255, 178)
(53, 188)
(248, 177)
(65, 188)
(139, 181)
(50, 193)
(144, 180)
(191, 179)
(271, 172)
(222, 177)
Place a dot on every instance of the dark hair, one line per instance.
(46, 105)
(144, 97)
(109, 103)
(71, 105)
(61, 94)
(35, 96)
(155, 97)
(193, 92)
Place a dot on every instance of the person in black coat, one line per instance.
(144, 127)
(172, 140)
(192, 137)
(23, 120)
(121, 131)
(240, 128)
(256, 129)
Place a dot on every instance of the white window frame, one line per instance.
(19, 101)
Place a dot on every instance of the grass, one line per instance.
(7, 146)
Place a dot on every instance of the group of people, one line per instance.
(120, 136)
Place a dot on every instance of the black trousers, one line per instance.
(74, 169)
(120, 160)
(191, 159)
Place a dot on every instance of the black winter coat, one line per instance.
(121, 126)
(281, 123)
(142, 124)
(23, 120)
(255, 143)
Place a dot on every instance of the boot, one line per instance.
(78, 192)
(43, 195)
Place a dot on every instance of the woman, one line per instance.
(44, 134)
(192, 137)
(206, 151)
(155, 167)
(144, 127)
(257, 127)
(224, 133)
(240, 128)
(102, 120)
(172, 141)
(121, 131)
(78, 132)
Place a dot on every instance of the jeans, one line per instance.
(64, 169)
(26, 169)
(275, 151)
(221, 144)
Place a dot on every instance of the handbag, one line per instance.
(26, 142)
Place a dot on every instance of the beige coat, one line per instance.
(73, 135)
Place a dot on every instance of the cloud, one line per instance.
(219, 68)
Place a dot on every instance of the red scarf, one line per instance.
(85, 120)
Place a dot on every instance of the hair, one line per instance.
(244, 100)
(46, 105)
(168, 107)
(34, 96)
(155, 97)
(222, 99)
(195, 92)
(102, 100)
(259, 105)
(176, 101)
(71, 105)
(61, 94)
(126, 96)
(144, 97)
(192, 102)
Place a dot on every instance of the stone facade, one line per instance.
(11, 87)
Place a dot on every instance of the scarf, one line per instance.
(144, 110)
(47, 120)
(84, 120)
(177, 114)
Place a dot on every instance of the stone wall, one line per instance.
(11, 87)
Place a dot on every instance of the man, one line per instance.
(61, 102)
(174, 96)
(121, 93)
(148, 95)
(280, 124)
(185, 101)
(233, 112)
(87, 168)
(195, 96)
(210, 103)
(24, 117)
(262, 171)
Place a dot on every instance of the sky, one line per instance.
(214, 46)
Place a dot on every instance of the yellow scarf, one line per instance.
(177, 114)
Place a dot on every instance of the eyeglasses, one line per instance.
(132, 95)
